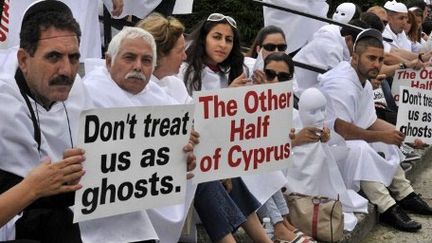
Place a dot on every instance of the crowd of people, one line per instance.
(153, 64)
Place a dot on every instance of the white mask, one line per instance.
(344, 12)
(312, 108)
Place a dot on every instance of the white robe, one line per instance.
(164, 223)
(298, 29)
(314, 171)
(400, 40)
(326, 49)
(175, 88)
(18, 146)
(348, 100)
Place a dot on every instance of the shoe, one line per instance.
(397, 218)
(414, 203)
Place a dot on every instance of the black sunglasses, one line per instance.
(272, 47)
(282, 76)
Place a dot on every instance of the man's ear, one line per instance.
(22, 56)
(108, 61)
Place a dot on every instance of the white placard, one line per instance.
(415, 114)
(134, 159)
(4, 25)
(420, 79)
(242, 130)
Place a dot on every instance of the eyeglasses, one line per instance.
(272, 47)
(282, 76)
(215, 17)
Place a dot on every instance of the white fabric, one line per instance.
(167, 221)
(314, 171)
(300, 29)
(175, 88)
(348, 100)
(139, 8)
(18, 145)
(210, 79)
(400, 40)
(84, 11)
(326, 49)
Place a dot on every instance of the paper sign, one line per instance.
(183, 7)
(242, 130)
(420, 79)
(415, 114)
(4, 25)
(134, 159)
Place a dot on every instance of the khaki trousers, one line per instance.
(379, 195)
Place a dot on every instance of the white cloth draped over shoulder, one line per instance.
(175, 88)
(326, 49)
(400, 41)
(298, 29)
(314, 171)
(348, 100)
(18, 146)
(165, 223)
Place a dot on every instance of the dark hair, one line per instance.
(260, 37)
(417, 3)
(414, 32)
(346, 31)
(427, 27)
(362, 44)
(280, 57)
(32, 28)
(357, 12)
(196, 54)
(373, 20)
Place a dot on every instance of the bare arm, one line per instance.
(379, 131)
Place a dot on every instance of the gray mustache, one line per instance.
(61, 80)
(136, 75)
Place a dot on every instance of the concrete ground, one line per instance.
(422, 184)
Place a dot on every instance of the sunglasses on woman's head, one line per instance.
(216, 17)
(282, 76)
(272, 47)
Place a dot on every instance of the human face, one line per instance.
(219, 43)
(278, 67)
(132, 67)
(368, 64)
(275, 39)
(397, 22)
(51, 71)
(170, 64)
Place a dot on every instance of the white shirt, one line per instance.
(400, 40)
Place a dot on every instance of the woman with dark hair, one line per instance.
(214, 58)
(269, 39)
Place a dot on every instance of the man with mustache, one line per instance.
(350, 102)
(38, 108)
(124, 81)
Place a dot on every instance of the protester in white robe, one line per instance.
(350, 102)
(397, 18)
(313, 170)
(55, 108)
(329, 46)
(121, 92)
